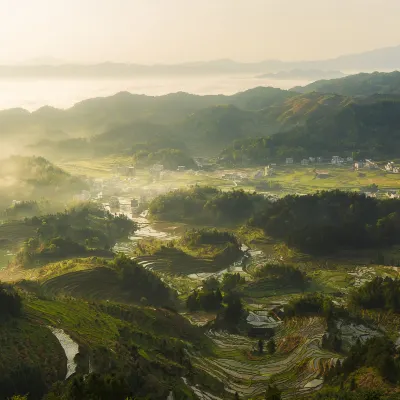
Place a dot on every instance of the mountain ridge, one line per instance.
(381, 58)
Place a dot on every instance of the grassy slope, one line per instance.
(25, 342)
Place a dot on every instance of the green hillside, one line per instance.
(130, 351)
(357, 85)
(367, 129)
(34, 178)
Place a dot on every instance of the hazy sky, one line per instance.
(169, 31)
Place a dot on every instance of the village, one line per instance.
(274, 180)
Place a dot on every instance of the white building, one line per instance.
(311, 159)
(268, 171)
(289, 161)
(337, 160)
(358, 165)
(304, 161)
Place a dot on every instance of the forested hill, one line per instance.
(99, 114)
(357, 85)
(368, 128)
(34, 178)
(185, 125)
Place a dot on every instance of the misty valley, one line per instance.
(212, 247)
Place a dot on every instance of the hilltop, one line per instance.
(357, 85)
(366, 128)
(34, 178)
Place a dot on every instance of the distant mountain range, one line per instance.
(380, 59)
(308, 74)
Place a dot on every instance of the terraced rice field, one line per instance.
(176, 262)
(93, 284)
(297, 367)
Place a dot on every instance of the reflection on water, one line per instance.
(146, 229)
(71, 349)
(165, 231)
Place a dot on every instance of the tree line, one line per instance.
(327, 221)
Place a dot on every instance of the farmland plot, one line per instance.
(297, 367)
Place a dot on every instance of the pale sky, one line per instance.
(172, 31)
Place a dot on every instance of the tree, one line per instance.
(192, 302)
(271, 347)
(233, 311)
(261, 346)
(211, 284)
(218, 295)
(273, 393)
(353, 384)
(237, 396)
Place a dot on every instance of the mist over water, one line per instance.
(32, 94)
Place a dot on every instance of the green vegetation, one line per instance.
(206, 205)
(22, 209)
(377, 352)
(327, 221)
(366, 129)
(169, 158)
(32, 178)
(357, 85)
(120, 280)
(84, 229)
(380, 293)
(198, 250)
(133, 351)
(280, 320)
(309, 305)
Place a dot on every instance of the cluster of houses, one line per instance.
(336, 160)
(390, 167)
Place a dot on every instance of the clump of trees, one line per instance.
(22, 209)
(272, 393)
(10, 302)
(210, 298)
(211, 243)
(232, 314)
(282, 274)
(309, 304)
(231, 281)
(141, 283)
(377, 352)
(380, 293)
(206, 205)
(327, 221)
(169, 158)
(357, 394)
(207, 300)
(83, 229)
(199, 237)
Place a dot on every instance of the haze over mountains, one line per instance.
(380, 59)
(358, 113)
